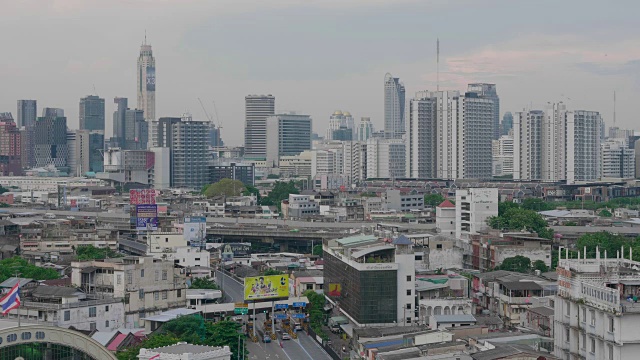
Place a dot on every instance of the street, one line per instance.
(232, 290)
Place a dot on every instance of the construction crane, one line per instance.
(219, 126)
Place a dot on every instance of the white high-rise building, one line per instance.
(327, 162)
(394, 104)
(365, 129)
(339, 119)
(449, 109)
(146, 89)
(355, 160)
(618, 160)
(257, 109)
(557, 144)
(421, 136)
(503, 155)
(386, 158)
(489, 91)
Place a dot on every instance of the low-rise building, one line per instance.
(490, 248)
(400, 200)
(473, 208)
(184, 351)
(301, 206)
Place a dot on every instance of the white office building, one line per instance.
(394, 104)
(473, 208)
(618, 160)
(287, 135)
(339, 120)
(595, 315)
(257, 109)
(503, 155)
(386, 158)
(355, 160)
(365, 129)
(421, 136)
(527, 147)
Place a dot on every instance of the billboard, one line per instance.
(147, 217)
(142, 196)
(335, 289)
(266, 287)
(195, 230)
(151, 78)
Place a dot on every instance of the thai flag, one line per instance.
(11, 300)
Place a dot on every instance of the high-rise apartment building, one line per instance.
(449, 106)
(394, 104)
(188, 142)
(286, 135)
(91, 113)
(27, 150)
(386, 158)
(365, 129)
(78, 143)
(130, 129)
(257, 109)
(146, 87)
(474, 130)
(617, 133)
(507, 123)
(50, 139)
(566, 149)
(10, 149)
(503, 155)
(422, 136)
(355, 160)
(618, 160)
(489, 91)
(339, 121)
(27, 113)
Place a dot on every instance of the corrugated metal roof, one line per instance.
(369, 250)
(355, 240)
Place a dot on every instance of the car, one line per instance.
(49, 216)
(286, 336)
(266, 339)
(71, 217)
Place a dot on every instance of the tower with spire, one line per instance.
(146, 88)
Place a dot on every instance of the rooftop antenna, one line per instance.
(438, 64)
(614, 108)
(94, 89)
(145, 36)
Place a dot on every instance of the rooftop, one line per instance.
(184, 348)
(460, 318)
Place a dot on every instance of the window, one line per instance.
(593, 346)
(584, 341)
(25, 335)
(408, 278)
(157, 275)
(567, 307)
(592, 316)
(309, 286)
(141, 273)
(129, 275)
(164, 274)
(566, 334)
(106, 308)
(439, 246)
(67, 315)
(119, 279)
(92, 326)
(156, 295)
(126, 299)
(610, 351)
(164, 294)
(141, 294)
(408, 292)
(584, 315)
(408, 306)
(106, 323)
(179, 294)
(611, 324)
(92, 311)
(408, 320)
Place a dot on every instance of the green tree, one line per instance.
(8, 268)
(273, 176)
(368, 194)
(317, 250)
(517, 218)
(606, 241)
(91, 252)
(226, 187)
(271, 271)
(152, 342)
(281, 191)
(316, 312)
(517, 263)
(506, 205)
(540, 265)
(433, 200)
(252, 190)
(536, 204)
(3, 190)
(203, 283)
(605, 213)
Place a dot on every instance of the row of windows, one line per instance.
(24, 336)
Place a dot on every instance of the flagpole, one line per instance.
(18, 294)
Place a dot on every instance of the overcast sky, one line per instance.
(319, 56)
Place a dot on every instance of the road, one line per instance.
(232, 289)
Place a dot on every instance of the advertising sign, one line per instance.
(335, 289)
(142, 196)
(151, 78)
(266, 287)
(195, 230)
(147, 217)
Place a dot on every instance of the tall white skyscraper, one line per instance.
(394, 104)
(527, 147)
(365, 129)
(618, 160)
(257, 108)
(422, 136)
(386, 158)
(339, 119)
(146, 90)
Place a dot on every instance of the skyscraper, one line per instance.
(394, 102)
(91, 113)
(257, 109)
(365, 129)
(146, 87)
(50, 139)
(527, 146)
(10, 149)
(422, 136)
(507, 123)
(130, 130)
(287, 134)
(339, 120)
(118, 121)
(489, 91)
(188, 142)
(27, 113)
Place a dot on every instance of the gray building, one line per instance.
(287, 134)
(422, 136)
(130, 130)
(474, 148)
(91, 113)
(233, 171)
(50, 140)
(27, 113)
(257, 109)
(488, 91)
(188, 142)
(394, 102)
(146, 86)
(507, 123)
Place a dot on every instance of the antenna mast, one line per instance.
(437, 64)
(614, 108)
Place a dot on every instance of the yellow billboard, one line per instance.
(266, 287)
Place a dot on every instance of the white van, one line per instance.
(49, 216)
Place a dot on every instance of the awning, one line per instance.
(348, 329)
(88, 269)
(630, 282)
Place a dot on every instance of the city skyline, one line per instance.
(199, 59)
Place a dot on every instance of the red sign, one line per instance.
(74, 203)
(142, 196)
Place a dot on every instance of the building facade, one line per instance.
(233, 171)
(365, 129)
(489, 91)
(386, 158)
(394, 103)
(618, 160)
(527, 148)
(27, 113)
(507, 123)
(473, 208)
(287, 135)
(257, 109)
(10, 149)
(50, 141)
(503, 155)
(91, 113)
(146, 87)
(422, 137)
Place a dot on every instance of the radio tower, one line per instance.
(438, 64)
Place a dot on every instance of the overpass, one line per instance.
(48, 342)
(283, 239)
